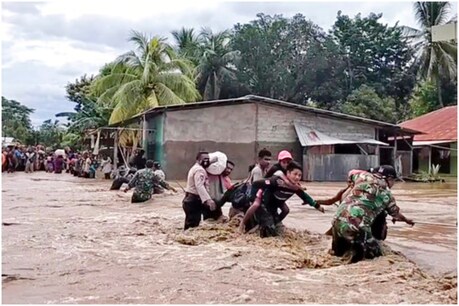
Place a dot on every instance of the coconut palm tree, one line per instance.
(151, 76)
(216, 63)
(436, 60)
(187, 44)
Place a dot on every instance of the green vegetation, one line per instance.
(361, 66)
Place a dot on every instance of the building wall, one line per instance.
(155, 137)
(276, 131)
(241, 131)
(230, 129)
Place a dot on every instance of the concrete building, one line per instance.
(438, 143)
(328, 144)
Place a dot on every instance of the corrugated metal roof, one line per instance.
(254, 98)
(310, 137)
(437, 125)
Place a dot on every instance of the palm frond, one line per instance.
(66, 114)
(411, 33)
(181, 85)
(141, 41)
(447, 63)
(442, 10)
(99, 86)
(166, 96)
(152, 100)
(107, 97)
(422, 14)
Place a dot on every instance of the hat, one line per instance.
(284, 155)
(387, 171)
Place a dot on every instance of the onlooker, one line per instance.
(30, 160)
(106, 166)
(261, 167)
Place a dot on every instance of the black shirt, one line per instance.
(276, 167)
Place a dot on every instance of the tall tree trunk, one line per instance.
(440, 100)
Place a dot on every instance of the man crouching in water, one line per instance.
(144, 181)
(197, 200)
(352, 226)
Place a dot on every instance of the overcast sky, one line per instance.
(45, 45)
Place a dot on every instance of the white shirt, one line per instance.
(106, 165)
(160, 173)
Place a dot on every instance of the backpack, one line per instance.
(240, 198)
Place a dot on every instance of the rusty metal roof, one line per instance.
(437, 125)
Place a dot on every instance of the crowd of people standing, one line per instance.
(38, 158)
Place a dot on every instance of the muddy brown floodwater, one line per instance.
(71, 240)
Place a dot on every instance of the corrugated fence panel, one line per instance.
(335, 167)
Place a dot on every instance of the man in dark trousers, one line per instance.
(197, 200)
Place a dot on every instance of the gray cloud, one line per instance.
(36, 86)
(22, 7)
(42, 87)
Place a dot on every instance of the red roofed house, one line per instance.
(438, 144)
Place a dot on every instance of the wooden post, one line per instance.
(430, 159)
(411, 161)
(144, 135)
(395, 150)
(115, 150)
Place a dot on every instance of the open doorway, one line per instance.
(386, 156)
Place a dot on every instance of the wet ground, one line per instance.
(70, 240)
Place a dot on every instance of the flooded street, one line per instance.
(71, 240)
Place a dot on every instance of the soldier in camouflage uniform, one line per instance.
(143, 181)
(370, 196)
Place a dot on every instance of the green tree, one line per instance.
(88, 114)
(376, 55)
(152, 76)
(216, 63)
(50, 134)
(424, 100)
(436, 60)
(16, 121)
(365, 102)
(213, 58)
(187, 44)
(285, 58)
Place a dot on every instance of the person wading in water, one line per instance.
(143, 182)
(269, 195)
(370, 196)
(197, 201)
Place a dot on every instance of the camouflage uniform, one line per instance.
(369, 198)
(144, 181)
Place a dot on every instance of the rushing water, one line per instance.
(70, 240)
